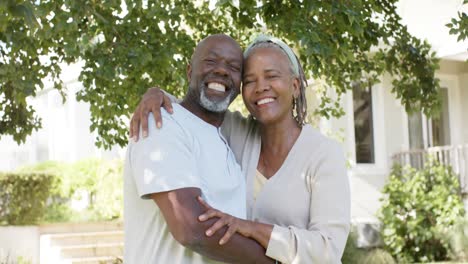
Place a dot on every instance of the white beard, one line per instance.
(217, 107)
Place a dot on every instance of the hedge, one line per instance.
(99, 180)
(23, 197)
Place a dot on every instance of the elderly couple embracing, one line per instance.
(206, 185)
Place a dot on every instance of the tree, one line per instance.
(459, 26)
(128, 46)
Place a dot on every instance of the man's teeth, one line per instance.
(217, 87)
(265, 101)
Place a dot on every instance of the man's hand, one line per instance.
(152, 101)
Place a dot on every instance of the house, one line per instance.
(377, 128)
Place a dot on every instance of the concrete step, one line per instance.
(94, 260)
(80, 227)
(93, 250)
(70, 239)
(81, 243)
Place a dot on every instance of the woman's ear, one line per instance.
(296, 87)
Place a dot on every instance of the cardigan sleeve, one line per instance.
(329, 216)
(236, 128)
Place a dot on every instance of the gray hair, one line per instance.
(300, 103)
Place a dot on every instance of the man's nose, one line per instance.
(221, 69)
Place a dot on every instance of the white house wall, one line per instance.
(64, 136)
(69, 137)
(368, 179)
(396, 125)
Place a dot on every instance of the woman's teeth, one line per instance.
(265, 101)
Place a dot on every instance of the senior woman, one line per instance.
(298, 197)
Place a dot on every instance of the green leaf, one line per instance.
(24, 11)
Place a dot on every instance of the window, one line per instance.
(363, 123)
(427, 132)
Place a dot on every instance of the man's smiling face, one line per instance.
(215, 72)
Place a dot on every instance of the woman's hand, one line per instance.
(152, 101)
(234, 224)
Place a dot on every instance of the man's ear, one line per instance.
(189, 72)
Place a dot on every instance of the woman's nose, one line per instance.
(262, 85)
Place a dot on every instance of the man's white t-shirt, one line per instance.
(185, 152)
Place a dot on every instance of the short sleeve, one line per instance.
(164, 160)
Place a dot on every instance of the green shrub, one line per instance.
(418, 206)
(355, 255)
(58, 207)
(100, 180)
(457, 238)
(108, 196)
(23, 197)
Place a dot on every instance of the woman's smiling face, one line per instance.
(269, 85)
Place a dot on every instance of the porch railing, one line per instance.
(455, 156)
